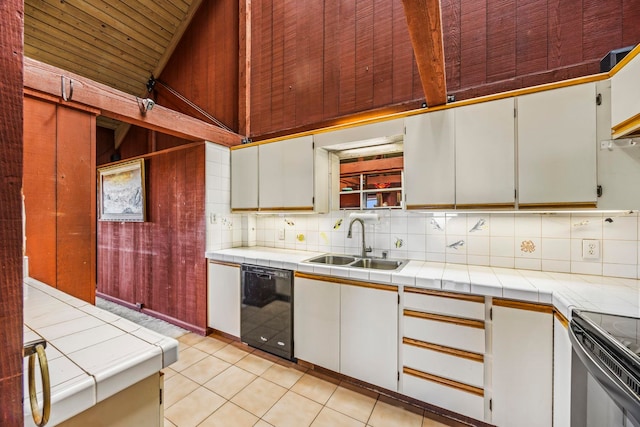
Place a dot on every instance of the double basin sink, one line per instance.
(358, 262)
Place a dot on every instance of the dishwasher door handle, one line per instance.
(31, 350)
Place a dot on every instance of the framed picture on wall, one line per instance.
(121, 192)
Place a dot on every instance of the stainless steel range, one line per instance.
(606, 385)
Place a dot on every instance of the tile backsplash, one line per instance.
(533, 241)
(548, 242)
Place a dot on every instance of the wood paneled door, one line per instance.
(59, 196)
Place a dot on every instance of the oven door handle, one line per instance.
(613, 385)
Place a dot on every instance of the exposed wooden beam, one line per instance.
(425, 28)
(244, 57)
(122, 106)
(376, 165)
(11, 248)
(123, 128)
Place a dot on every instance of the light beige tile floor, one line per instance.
(217, 383)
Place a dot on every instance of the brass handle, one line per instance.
(32, 349)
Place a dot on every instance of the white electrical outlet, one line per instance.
(590, 249)
(281, 234)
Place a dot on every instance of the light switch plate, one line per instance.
(590, 249)
(281, 234)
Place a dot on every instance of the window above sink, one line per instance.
(372, 177)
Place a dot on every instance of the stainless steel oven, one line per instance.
(266, 313)
(605, 371)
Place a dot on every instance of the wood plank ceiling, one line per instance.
(113, 42)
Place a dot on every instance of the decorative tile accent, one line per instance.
(456, 245)
(527, 246)
(479, 226)
(547, 242)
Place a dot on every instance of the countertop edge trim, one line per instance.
(341, 281)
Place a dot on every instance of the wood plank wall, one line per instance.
(11, 68)
(317, 61)
(204, 66)
(160, 263)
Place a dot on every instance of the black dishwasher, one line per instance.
(266, 314)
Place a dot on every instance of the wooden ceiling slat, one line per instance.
(151, 7)
(108, 80)
(150, 16)
(40, 32)
(85, 25)
(115, 19)
(106, 122)
(114, 42)
(177, 9)
(54, 56)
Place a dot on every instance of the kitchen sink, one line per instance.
(333, 259)
(358, 262)
(377, 264)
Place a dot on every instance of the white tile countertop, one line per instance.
(92, 354)
(565, 291)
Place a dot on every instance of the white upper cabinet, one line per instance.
(429, 160)
(286, 175)
(285, 171)
(244, 178)
(557, 147)
(485, 154)
(625, 95)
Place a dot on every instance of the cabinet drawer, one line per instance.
(466, 306)
(445, 365)
(445, 333)
(451, 398)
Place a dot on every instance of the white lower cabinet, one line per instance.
(223, 298)
(561, 374)
(316, 320)
(522, 371)
(347, 327)
(369, 334)
(444, 396)
(443, 350)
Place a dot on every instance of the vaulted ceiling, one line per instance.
(115, 42)
(122, 43)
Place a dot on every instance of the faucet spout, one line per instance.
(365, 249)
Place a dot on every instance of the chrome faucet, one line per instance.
(365, 249)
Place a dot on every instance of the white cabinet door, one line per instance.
(316, 319)
(557, 146)
(561, 375)
(244, 178)
(429, 165)
(286, 174)
(485, 154)
(369, 335)
(625, 102)
(223, 298)
(522, 367)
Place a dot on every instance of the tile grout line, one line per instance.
(288, 389)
